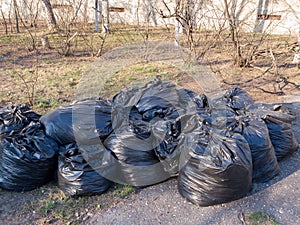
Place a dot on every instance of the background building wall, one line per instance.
(274, 16)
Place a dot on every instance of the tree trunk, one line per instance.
(45, 42)
(97, 2)
(16, 16)
(238, 59)
(51, 21)
(177, 31)
(4, 22)
(85, 13)
(34, 18)
(105, 14)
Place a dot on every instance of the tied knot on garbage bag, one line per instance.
(15, 117)
(237, 99)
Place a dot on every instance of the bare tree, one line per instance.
(245, 45)
(238, 59)
(183, 18)
(30, 11)
(32, 40)
(67, 14)
(52, 24)
(190, 20)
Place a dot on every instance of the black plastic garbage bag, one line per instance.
(157, 99)
(219, 108)
(137, 161)
(268, 107)
(236, 98)
(265, 165)
(215, 168)
(128, 148)
(27, 159)
(261, 110)
(280, 130)
(58, 124)
(231, 101)
(61, 122)
(294, 109)
(76, 177)
(160, 104)
(135, 112)
(282, 136)
(197, 103)
(168, 135)
(128, 151)
(15, 118)
(131, 139)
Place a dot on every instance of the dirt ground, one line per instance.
(54, 79)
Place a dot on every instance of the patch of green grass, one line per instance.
(138, 75)
(145, 68)
(5, 38)
(260, 217)
(47, 207)
(50, 203)
(11, 73)
(151, 70)
(16, 39)
(123, 191)
(138, 67)
(46, 103)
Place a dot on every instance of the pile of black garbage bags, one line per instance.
(216, 147)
